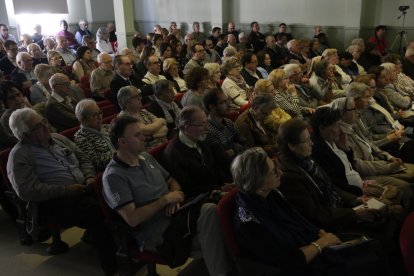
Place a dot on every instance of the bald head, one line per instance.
(24, 61)
(60, 84)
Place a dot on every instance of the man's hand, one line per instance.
(174, 197)
(171, 209)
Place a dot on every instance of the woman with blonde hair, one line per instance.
(214, 74)
(355, 50)
(331, 55)
(286, 95)
(234, 85)
(170, 68)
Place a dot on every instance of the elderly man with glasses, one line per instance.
(60, 107)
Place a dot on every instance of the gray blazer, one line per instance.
(60, 115)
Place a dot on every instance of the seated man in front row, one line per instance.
(144, 194)
(49, 171)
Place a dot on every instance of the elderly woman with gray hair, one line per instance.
(154, 129)
(234, 85)
(41, 90)
(93, 137)
(102, 41)
(164, 105)
(270, 231)
(369, 160)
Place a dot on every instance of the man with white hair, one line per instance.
(102, 76)
(24, 75)
(231, 40)
(53, 175)
(67, 54)
(60, 108)
(93, 136)
(89, 41)
(295, 55)
(37, 56)
(408, 62)
(82, 30)
(244, 44)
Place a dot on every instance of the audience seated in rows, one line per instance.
(149, 196)
(63, 197)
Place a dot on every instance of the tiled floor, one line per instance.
(81, 259)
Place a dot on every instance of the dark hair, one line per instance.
(216, 29)
(324, 117)
(321, 67)
(376, 71)
(379, 27)
(160, 87)
(393, 58)
(345, 55)
(254, 22)
(5, 89)
(163, 47)
(247, 57)
(282, 24)
(289, 133)
(222, 37)
(81, 51)
(63, 22)
(156, 37)
(146, 53)
(136, 41)
(118, 127)
(118, 60)
(210, 97)
(193, 48)
(194, 77)
(8, 43)
(174, 45)
(261, 57)
(170, 38)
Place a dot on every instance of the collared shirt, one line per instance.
(67, 55)
(59, 160)
(188, 142)
(254, 74)
(257, 123)
(224, 132)
(101, 80)
(289, 103)
(150, 78)
(65, 100)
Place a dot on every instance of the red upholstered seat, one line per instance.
(243, 108)
(70, 133)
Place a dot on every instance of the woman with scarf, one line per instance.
(234, 85)
(270, 231)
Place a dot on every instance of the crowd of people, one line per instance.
(305, 132)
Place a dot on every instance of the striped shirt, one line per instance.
(289, 103)
(223, 133)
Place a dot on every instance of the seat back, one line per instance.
(108, 120)
(108, 212)
(243, 108)
(158, 153)
(4, 156)
(70, 132)
(226, 209)
(407, 243)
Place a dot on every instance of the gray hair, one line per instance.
(160, 87)
(212, 67)
(356, 90)
(55, 79)
(242, 35)
(263, 102)
(290, 43)
(86, 39)
(352, 48)
(388, 66)
(186, 115)
(250, 169)
(18, 119)
(41, 71)
(228, 64)
(229, 51)
(125, 94)
(290, 69)
(81, 110)
(101, 55)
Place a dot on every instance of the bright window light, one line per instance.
(48, 21)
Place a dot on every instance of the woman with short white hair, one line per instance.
(93, 137)
(41, 90)
(214, 74)
(102, 41)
